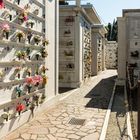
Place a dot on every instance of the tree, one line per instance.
(109, 29)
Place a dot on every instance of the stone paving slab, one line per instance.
(82, 104)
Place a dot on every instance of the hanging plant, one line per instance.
(19, 108)
(37, 39)
(1, 4)
(36, 11)
(45, 42)
(20, 35)
(6, 30)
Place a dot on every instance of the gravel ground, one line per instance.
(117, 128)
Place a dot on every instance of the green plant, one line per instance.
(37, 39)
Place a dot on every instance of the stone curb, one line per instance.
(107, 116)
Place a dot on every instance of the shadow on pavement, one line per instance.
(101, 93)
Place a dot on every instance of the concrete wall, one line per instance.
(122, 46)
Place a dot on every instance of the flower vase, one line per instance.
(19, 39)
(32, 24)
(7, 35)
(18, 1)
(10, 17)
(18, 75)
(29, 39)
(37, 56)
(29, 88)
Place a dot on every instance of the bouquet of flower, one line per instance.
(23, 16)
(1, 4)
(30, 23)
(20, 35)
(45, 42)
(37, 39)
(37, 79)
(6, 30)
(19, 108)
(18, 54)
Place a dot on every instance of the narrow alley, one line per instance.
(79, 116)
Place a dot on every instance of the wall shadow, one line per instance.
(101, 93)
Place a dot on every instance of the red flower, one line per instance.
(1, 4)
(29, 80)
(37, 79)
(20, 107)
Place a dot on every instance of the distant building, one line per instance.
(111, 55)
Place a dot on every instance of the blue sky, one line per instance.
(110, 9)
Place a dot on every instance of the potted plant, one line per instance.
(20, 35)
(44, 78)
(6, 30)
(45, 42)
(37, 39)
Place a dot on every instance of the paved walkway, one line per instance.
(78, 117)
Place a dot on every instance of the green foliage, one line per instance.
(112, 31)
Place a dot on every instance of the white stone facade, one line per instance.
(24, 27)
(111, 57)
(128, 42)
(98, 49)
(75, 44)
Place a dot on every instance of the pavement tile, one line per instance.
(26, 136)
(73, 136)
(33, 137)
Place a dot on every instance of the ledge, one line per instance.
(21, 27)
(20, 98)
(6, 42)
(19, 8)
